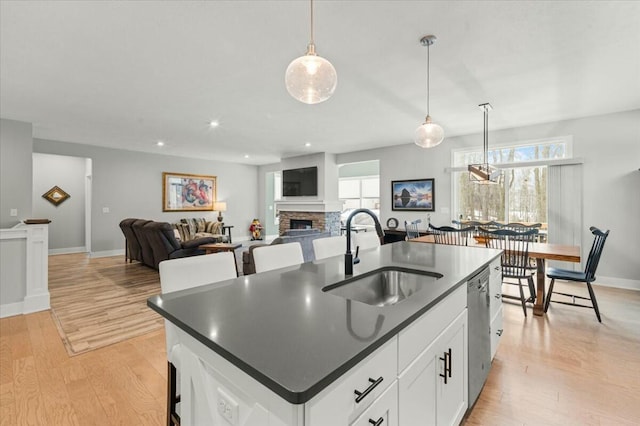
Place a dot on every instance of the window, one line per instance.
(521, 196)
(359, 192)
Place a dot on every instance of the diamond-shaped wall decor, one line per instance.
(55, 195)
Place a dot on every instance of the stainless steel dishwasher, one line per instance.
(479, 333)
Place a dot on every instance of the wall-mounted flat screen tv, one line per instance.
(300, 182)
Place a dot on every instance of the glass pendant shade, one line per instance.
(428, 134)
(311, 79)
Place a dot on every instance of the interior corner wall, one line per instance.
(609, 145)
(129, 184)
(16, 144)
(67, 227)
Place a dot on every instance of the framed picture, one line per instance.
(185, 192)
(55, 195)
(413, 195)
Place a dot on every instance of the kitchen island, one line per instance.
(275, 349)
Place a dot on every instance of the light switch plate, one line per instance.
(13, 212)
(105, 210)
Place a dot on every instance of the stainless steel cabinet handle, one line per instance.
(361, 395)
(378, 422)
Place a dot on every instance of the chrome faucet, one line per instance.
(349, 260)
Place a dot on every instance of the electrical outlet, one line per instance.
(228, 408)
(13, 212)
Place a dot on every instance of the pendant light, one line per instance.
(484, 173)
(428, 134)
(311, 79)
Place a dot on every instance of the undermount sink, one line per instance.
(383, 287)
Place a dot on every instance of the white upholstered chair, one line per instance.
(181, 274)
(365, 240)
(328, 247)
(277, 256)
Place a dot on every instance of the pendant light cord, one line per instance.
(311, 26)
(486, 135)
(428, 73)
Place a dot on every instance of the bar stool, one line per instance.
(277, 256)
(182, 274)
(329, 247)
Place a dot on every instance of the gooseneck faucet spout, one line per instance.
(348, 256)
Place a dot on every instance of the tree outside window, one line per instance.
(521, 195)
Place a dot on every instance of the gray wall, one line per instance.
(67, 219)
(16, 143)
(129, 184)
(609, 145)
(363, 168)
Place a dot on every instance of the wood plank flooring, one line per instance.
(101, 301)
(565, 369)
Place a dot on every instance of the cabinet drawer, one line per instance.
(495, 286)
(496, 331)
(416, 337)
(336, 405)
(383, 411)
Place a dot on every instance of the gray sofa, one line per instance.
(302, 236)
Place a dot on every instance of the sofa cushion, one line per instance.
(193, 228)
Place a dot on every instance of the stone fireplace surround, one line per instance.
(324, 221)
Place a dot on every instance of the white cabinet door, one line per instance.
(383, 412)
(417, 389)
(452, 393)
(425, 398)
(496, 331)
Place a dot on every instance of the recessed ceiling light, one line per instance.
(214, 123)
(160, 143)
(246, 156)
(308, 144)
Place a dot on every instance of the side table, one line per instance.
(218, 247)
(224, 231)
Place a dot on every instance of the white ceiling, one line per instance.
(126, 74)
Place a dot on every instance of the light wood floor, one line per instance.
(566, 369)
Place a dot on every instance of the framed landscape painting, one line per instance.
(185, 192)
(413, 195)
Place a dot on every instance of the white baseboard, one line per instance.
(36, 303)
(107, 253)
(67, 250)
(31, 304)
(618, 283)
(11, 309)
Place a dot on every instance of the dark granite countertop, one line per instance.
(284, 331)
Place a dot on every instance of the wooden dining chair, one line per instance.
(412, 229)
(587, 277)
(329, 247)
(182, 274)
(514, 260)
(450, 235)
(277, 256)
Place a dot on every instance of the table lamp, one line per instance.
(220, 206)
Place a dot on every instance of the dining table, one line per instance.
(541, 252)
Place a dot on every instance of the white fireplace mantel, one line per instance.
(309, 206)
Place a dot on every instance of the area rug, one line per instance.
(99, 302)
